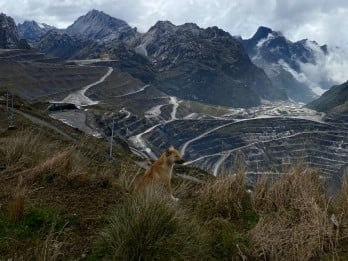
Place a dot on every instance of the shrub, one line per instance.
(150, 227)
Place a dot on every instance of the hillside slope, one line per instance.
(333, 100)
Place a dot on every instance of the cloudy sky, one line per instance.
(324, 21)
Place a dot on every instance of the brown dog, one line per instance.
(160, 172)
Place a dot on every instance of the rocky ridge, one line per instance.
(33, 31)
(9, 38)
(281, 59)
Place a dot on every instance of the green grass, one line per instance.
(150, 227)
(36, 222)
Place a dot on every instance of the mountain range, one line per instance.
(188, 61)
(210, 55)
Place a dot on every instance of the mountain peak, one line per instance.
(262, 32)
(9, 38)
(32, 31)
(94, 12)
(99, 26)
(163, 25)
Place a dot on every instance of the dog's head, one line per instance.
(174, 156)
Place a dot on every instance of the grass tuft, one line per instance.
(17, 203)
(224, 197)
(294, 223)
(149, 227)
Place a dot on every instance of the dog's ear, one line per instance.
(169, 151)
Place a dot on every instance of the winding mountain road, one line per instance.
(79, 97)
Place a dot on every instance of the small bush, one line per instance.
(151, 228)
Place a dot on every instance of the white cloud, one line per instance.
(330, 69)
(320, 20)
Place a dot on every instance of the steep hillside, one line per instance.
(334, 100)
(34, 76)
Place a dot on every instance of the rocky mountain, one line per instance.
(98, 26)
(282, 59)
(9, 38)
(33, 31)
(205, 65)
(334, 100)
(60, 44)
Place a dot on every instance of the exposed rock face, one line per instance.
(9, 38)
(281, 59)
(60, 44)
(33, 31)
(334, 100)
(96, 25)
(206, 65)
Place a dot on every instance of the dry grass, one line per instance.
(286, 192)
(340, 209)
(26, 148)
(223, 197)
(340, 204)
(58, 164)
(17, 203)
(127, 176)
(294, 223)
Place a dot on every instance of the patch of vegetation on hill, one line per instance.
(334, 100)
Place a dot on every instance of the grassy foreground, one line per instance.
(62, 200)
